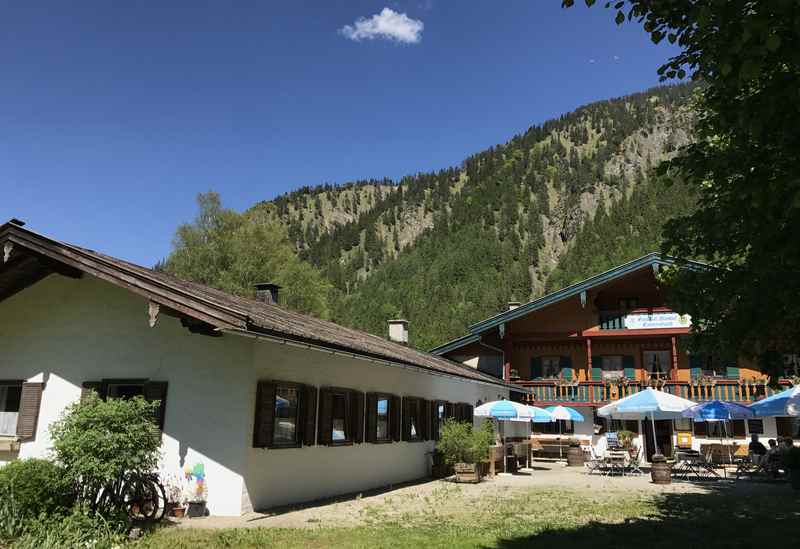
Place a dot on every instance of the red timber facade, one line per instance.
(602, 339)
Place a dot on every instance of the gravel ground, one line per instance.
(447, 496)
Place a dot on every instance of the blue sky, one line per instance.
(114, 115)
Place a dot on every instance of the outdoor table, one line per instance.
(616, 462)
(692, 463)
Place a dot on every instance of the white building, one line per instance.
(277, 406)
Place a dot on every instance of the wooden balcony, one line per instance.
(594, 393)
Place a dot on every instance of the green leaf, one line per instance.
(656, 36)
(620, 18)
(773, 42)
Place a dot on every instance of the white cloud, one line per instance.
(591, 61)
(388, 24)
(616, 58)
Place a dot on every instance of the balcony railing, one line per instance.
(598, 392)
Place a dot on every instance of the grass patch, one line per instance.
(543, 518)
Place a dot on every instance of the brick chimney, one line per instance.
(398, 331)
(267, 292)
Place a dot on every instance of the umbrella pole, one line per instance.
(560, 447)
(653, 425)
(505, 457)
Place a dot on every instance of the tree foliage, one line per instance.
(233, 252)
(744, 165)
(460, 442)
(98, 440)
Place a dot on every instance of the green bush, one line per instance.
(79, 529)
(98, 440)
(459, 442)
(30, 488)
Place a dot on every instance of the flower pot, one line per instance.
(467, 472)
(196, 509)
(660, 470)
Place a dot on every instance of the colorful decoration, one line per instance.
(196, 482)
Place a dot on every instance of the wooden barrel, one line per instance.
(660, 471)
(575, 457)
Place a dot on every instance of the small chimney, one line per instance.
(267, 292)
(513, 305)
(398, 331)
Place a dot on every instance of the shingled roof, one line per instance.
(29, 257)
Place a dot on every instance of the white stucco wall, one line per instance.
(65, 332)
(280, 476)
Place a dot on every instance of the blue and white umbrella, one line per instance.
(719, 410)
(649, 402)
(564, 413)
(785, 403)
(540, 415)
(505, 410)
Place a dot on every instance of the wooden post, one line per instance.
(507, 352)
(588, 359)
(674, 358)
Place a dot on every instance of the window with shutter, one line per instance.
(413, 421)
(87, 387)
(755, 426)
(426, 419)
(156, 391)
(10, 398)
(739, 428)
(597, 368)
(439, 413)
(308, 405)
(395, 418)
(565, 362)
(536, 367)
(357, 415)
(280, 415)
(341, 416)
(29, 404)
(379, 415)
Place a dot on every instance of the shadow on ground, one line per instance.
(724, 516)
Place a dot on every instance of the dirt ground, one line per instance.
(449, 497)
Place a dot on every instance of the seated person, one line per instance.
(756, 448)
(601, 446)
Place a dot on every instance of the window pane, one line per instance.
(383, 419)
(612, 367)
(125, 391)
(9, 398)
(755, 426)
(339, 418)
(550, 366)
(657, 363)
(285, 428)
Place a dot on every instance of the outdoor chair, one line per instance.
(595, 462)
(635, 464)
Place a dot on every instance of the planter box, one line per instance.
(441, 470)
(467, 472)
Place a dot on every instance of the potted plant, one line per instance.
(625, 438)
(464, 448)
(174, 493)
(514, 374)
(792, 462)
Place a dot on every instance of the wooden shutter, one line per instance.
(157, 391)
(325, 423)
(88, 386)
(29, 404)
(427, 418)
(536, 367)
(308, 414)
(435, 434)
(468, 414)
(629, 366)
(566, 366)
(597, 368)
(450, 410)
(372, 417)
(406, 419)
(357, 416)
(265, 415)
(732, 372)
(395, 419)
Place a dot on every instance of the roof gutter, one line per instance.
(382, 362)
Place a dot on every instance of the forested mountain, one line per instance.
(559, 202)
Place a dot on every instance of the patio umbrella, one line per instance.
(649, 402)
(785, 403)
(718, 410)
(540, 415)
(504, 410)
(563, 413)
